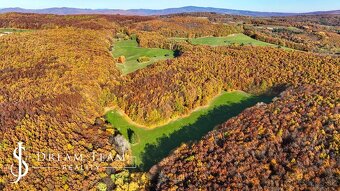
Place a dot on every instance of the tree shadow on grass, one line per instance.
(154, 153)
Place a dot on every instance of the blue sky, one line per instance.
(254, 5)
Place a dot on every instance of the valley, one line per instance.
(204, 101)
(155, 143)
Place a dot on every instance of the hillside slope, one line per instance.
(174, 87)
(290, 144)
(53, 85)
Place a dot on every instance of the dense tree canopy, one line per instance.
(54, 84)
(290, 144)
(175, 87)
(58, 78)
(190, 27)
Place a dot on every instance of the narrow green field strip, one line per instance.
(12, 30)
(239, 39)
(154, 144)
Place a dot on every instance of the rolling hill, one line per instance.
(144, 12)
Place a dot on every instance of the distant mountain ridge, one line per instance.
(148, 12)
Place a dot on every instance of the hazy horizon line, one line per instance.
(164, 9)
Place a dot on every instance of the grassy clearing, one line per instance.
(275, 27)
(229, 40)
(131, 51)
(11, 30)
(155, 144)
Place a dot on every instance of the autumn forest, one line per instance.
(62, 75)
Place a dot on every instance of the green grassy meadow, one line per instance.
(155, 144)
(131, 51)
(228, 40)
(3, 30)
(272, 27)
